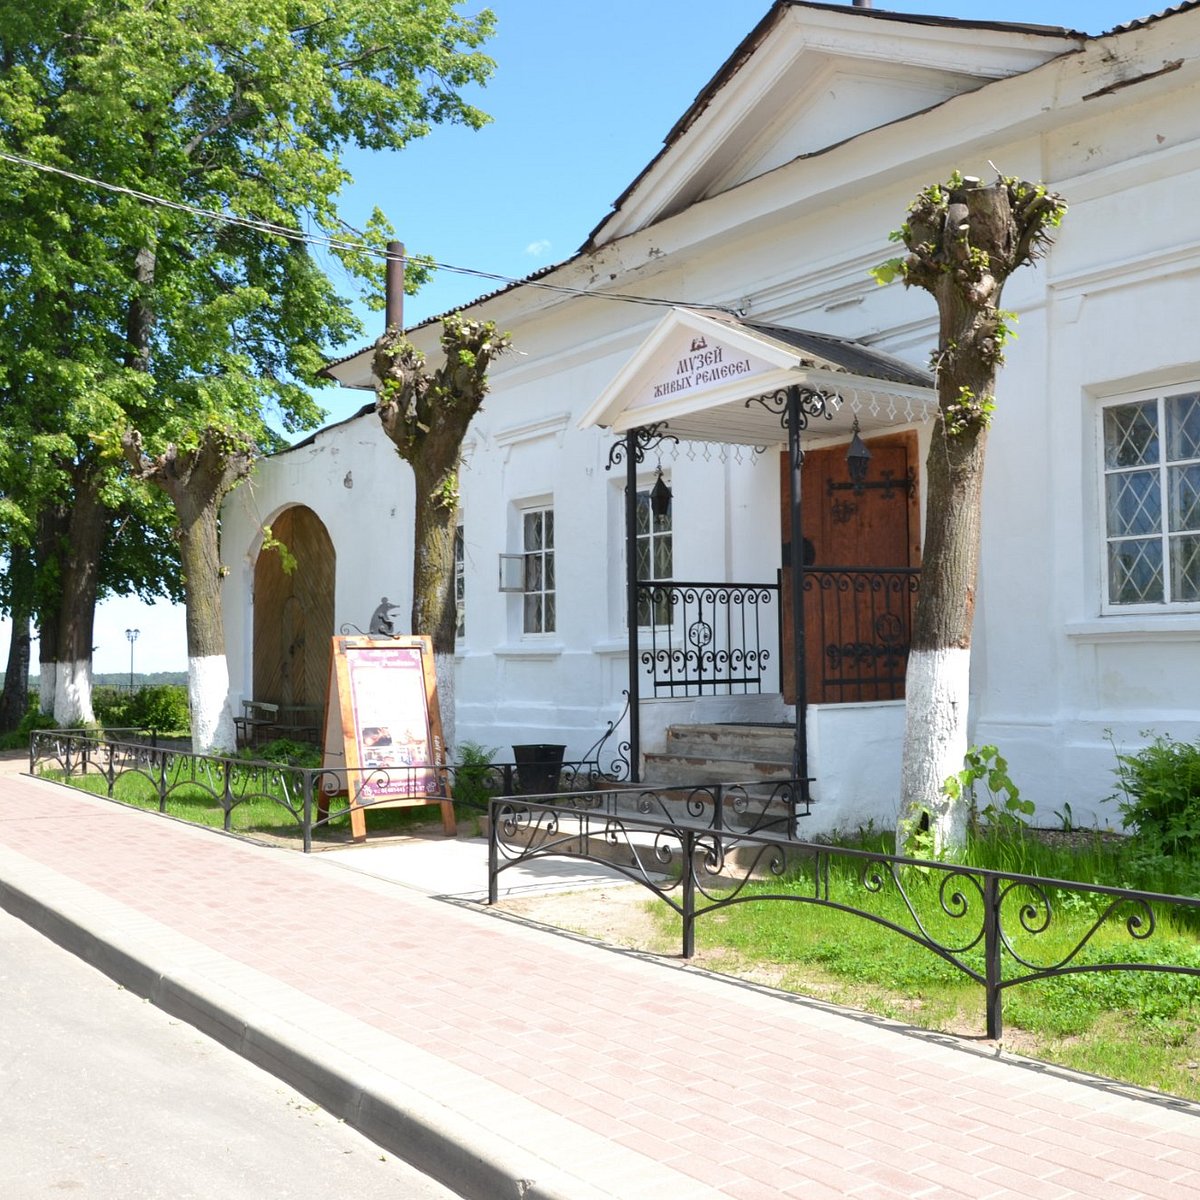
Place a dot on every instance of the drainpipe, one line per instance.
(393, 313)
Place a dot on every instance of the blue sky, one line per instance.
(582, 97)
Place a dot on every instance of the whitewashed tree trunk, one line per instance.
(208, 696)
(935, 740)
(47, 687)
(964, 240)
(73, 694)
(197, 480)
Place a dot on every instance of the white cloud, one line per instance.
(538, 249)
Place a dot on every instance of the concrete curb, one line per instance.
(407, 1123)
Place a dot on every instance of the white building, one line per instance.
(762, 215)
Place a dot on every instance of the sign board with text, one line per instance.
(383, 726)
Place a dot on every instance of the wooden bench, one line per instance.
(256, 722)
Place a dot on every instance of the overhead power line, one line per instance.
(326, 242)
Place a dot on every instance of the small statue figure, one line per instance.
(381, 620)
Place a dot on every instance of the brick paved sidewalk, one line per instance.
(509, 1061)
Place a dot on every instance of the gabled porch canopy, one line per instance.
(699, 373)
(713, 378)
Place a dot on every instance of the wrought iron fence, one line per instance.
(244, 795)
(710, 639)
(998, 929)
(860, 620)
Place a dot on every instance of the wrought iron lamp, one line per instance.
(858, 457)
(660, 497)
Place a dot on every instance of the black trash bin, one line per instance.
(538, 768)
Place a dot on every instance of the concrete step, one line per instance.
(724, 753)
(684, 769)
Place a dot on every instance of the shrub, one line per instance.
(472, 774)
(163, 708)
(1159, 796)
(111, 706)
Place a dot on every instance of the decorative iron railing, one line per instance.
(710, 639)
(999, 929)
(243, 795)
(859, 621)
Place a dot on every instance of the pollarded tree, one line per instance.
(125, 314)
(964, 239)
(197, 478)
(426, 415)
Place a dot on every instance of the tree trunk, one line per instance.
(964, 240)
(208, 670)
(197, 480)
(51, 550)
(937, 682)
(14, 700)
(80, 568)
(433, 607)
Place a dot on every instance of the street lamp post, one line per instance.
(132, 635)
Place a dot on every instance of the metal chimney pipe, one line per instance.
(862, 3)
(393, 313)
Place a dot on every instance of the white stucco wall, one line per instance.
(1111, 310)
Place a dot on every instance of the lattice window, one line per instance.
(655, 559)
(1152, 500)
(539, 603)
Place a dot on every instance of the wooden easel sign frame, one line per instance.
(382, 720)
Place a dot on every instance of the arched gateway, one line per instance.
(293, 612)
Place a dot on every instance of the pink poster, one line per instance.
(391, 718)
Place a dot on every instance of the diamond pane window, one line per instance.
(1152, 500)
(538, 533)
(654, 561)
(1131, 435)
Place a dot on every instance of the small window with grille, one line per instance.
(655, 561)
(538, 545)
(1151, 472)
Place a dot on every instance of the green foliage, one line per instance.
(472, 771)
(968, 411)
(994, 799)
(163, 708)
(122, 314)
(33, 719)
(1159, 797)
(285, 751)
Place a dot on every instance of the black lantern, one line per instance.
(660, 497)
(857, 458)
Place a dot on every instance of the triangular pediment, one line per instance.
(809, 77)
(702, 373)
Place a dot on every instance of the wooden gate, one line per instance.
(293, 612)
(861, 548)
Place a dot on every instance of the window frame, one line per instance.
(652, 539)
(1164, 535)
(544, 556)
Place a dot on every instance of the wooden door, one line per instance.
(860, 548)
(293, 612)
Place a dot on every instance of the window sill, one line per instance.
(529, 650)
(1140, 628)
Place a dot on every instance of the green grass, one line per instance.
(1140, 1027)
(263, 806)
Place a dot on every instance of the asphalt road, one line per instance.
(105, 1097)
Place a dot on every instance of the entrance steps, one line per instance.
(725, 753)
